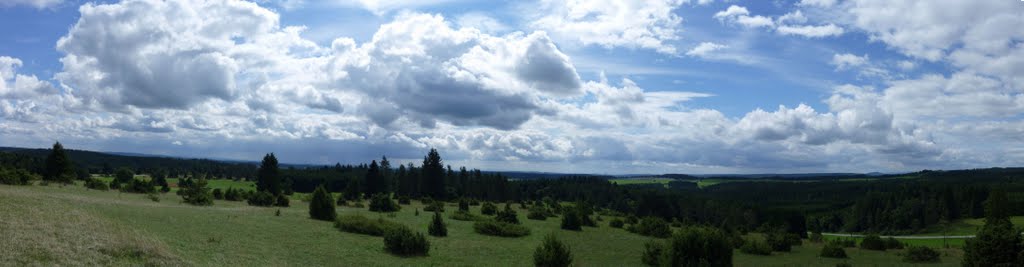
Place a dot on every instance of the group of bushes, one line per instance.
(502, 229)
(383, 203)
(398, 239)
(691, 246)
(651, 226)
(17, 176)
(361, 225)
(266, 199)
(874, 242)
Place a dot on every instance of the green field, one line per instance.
(223, 184)
(71, 225)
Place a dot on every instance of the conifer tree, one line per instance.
(552, 253)
(321, 207)
(998, 243)
(433, 175)
(58, 165)
(437, 227)
(269, 176)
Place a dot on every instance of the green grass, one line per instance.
(223, 184)
(648, 180)
(71, 225)
(232, 233)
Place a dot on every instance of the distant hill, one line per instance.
(105, 163)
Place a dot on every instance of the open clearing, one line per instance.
(71, 225)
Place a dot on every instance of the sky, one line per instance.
(596, 86)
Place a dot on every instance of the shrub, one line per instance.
(138, 186)
(437, 206)
(632, 219)
(262, 199)
(872, 242)
(282, 201)
(115, 185)
(892, 243)
(93, 183)
(464, 205)
(833, 250)
(361, 225)
(920, 254)
(153, 197)
(464, 216)
(691, 246)
(123, 175)
(488, 208)
(616, 223)
(652, 226)
(403, 242)
(232, 194)
(778, 241)
(404, 200)
(552, 253)
(571, 221)
(321, 207)
(816, 237)
(495, 228)
(537, 212)
(756, 247)
(437, 227)
(383, 203)
(793, 239)
(197, 193)
(19, 177)
(218, 194)
(507, 215)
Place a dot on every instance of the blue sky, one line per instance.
(699, 86)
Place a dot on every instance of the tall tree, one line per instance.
(321, 207)
(268, 178)
(433, 175)
(998, 243)
(387, 174)
(374, 182)
(58, 165)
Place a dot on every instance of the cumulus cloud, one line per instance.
(783, 24)
(740, 15)
(845, 61)
(705, 48)
(19, 86)
(629, 24)
(811, 31)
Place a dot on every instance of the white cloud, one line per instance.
(629, 24)
(481, 22)
(820, 3)
(703, 49)
(382, 7)
(731, 11)
(811, 31)
(846, 61)
(792, 17)
(19, 86)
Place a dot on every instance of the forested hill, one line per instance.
(106, 163)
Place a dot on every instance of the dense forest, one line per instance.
(892, 204)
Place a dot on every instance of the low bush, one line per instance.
(552, 253)
(495, 228)
(756, 247)
(537, 212)
(17, 176)
(383, 203)
(920, 254)
(361, 225)
(632, 219)
(464, 216)
(96, 184)
(779, 241)
(463, 205)
(816, 237)
(138, 186)
(196, 193)
(892, 243)
(321, 206)
(616, 223)
(488, 208)
(404, 242)
(218, 194)
(507, 215)
(282, 201)
(262, 199)
(437, 206)
(833, 250)
(652, 226)
(872, 242)
(571, 221)
(404, 200)
(690, 246)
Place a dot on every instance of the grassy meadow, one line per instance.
(72, 225)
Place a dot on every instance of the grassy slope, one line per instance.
(86, 226)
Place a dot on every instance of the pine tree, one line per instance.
(437, 227)
(998, 243)
(321, 207)
(552, 253)
(197, 193)
(58, 165)
(269, 175)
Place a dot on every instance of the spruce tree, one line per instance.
(58, 165)
(321, 207)
(437, 227)
(998, 243)
(197, 193)
(373, 180)
(268, 178)
(433, 175)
